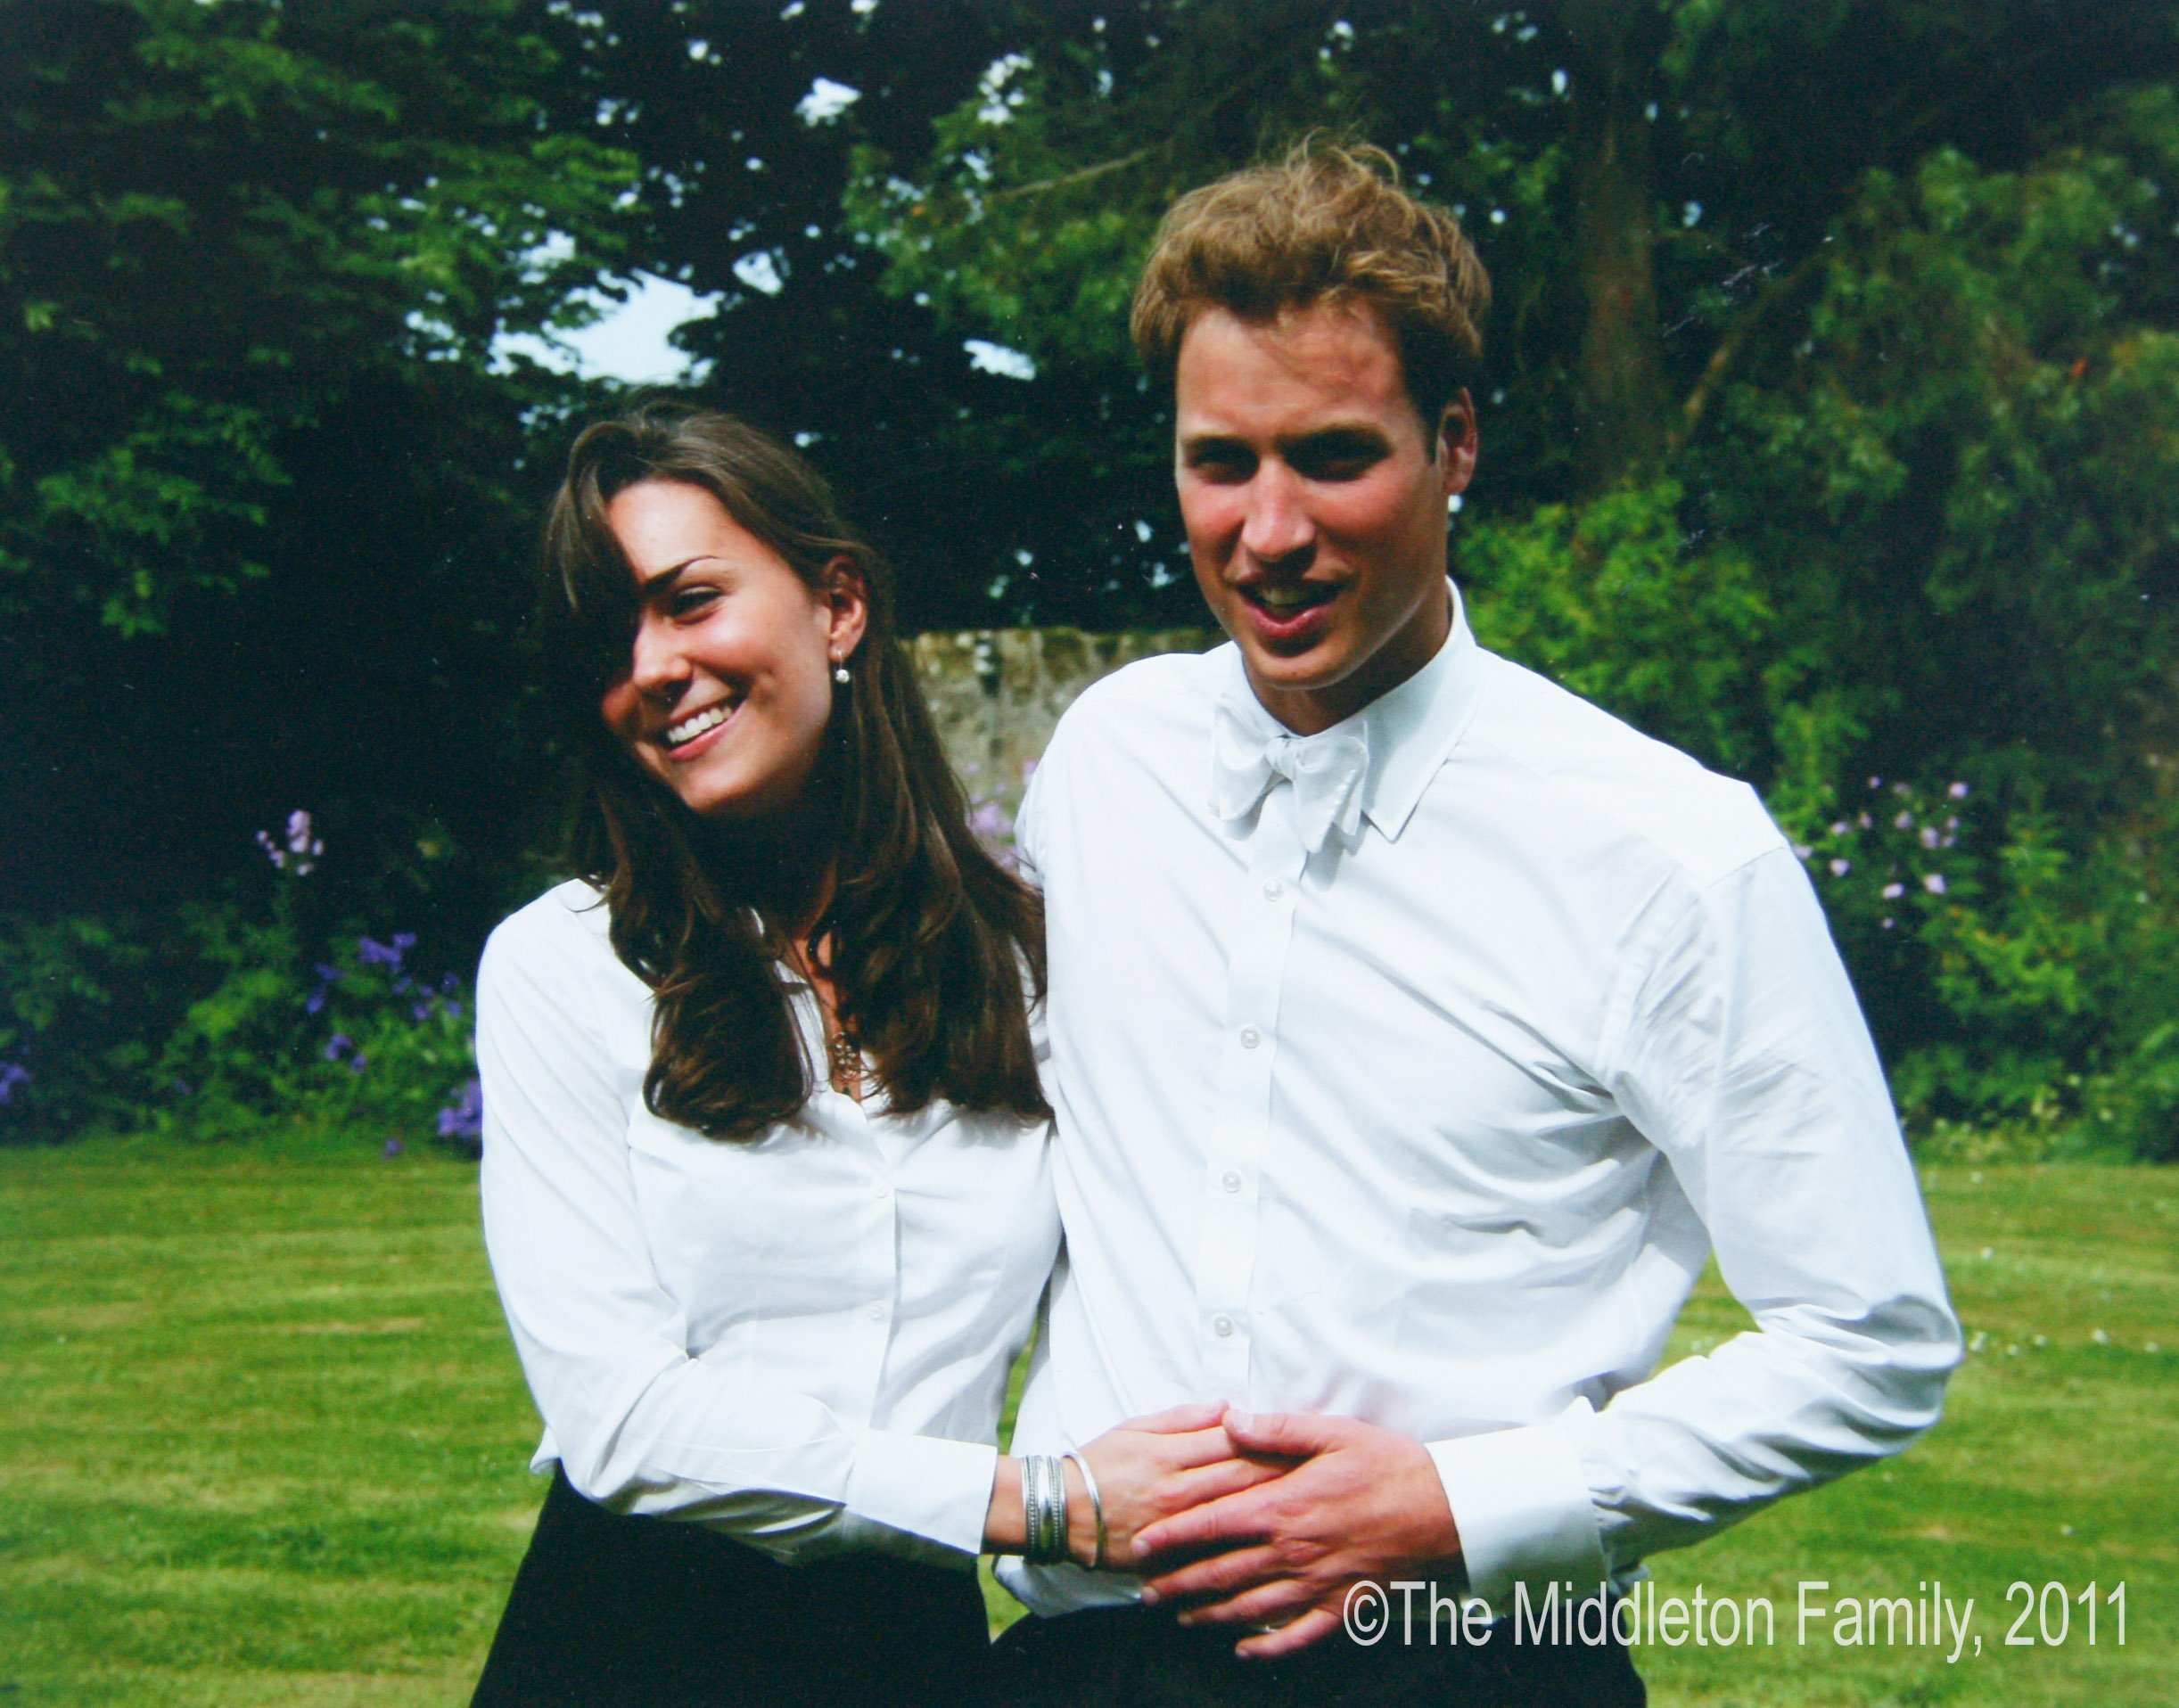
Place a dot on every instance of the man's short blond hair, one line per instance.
(1329, 223)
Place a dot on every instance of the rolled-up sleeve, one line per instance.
(638, 1424)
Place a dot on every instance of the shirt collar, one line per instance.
(1412, 730)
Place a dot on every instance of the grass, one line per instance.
(264, 1442)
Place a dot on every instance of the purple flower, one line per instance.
(356, 1061)
(1929, 838)
(338, 1046)
(420, 1010)
(404, 941)
(450, 984)
(1906, 821)
(454, 1009)
(11, 1074)
(1933, 884)
(1841, 828)
(1876, 782)
(463, 1119)
(1893, 891)
(1801, 850)
(374, 953)
(1958, 791)
(1885, 923)
(1839, 868)
(393, 1148)
(402, 985)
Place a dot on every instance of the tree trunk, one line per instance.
(1620, 401)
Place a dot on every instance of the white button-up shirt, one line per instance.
(1435, 1125)
(803, 1339)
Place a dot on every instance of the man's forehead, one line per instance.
(1332, 362)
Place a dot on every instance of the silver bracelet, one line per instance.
(1097, 1504)
(1044, 1511)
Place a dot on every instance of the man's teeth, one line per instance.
(689, 728)
(1284, 600)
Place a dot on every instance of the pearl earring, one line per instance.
(839, 672)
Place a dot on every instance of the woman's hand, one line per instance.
(1149, 1468)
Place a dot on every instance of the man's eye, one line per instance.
(1343, 463)
(1220, 465)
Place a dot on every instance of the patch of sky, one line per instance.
(628, 342)
(987, 357)
(998, 99)
(760, 270)
(826, 101)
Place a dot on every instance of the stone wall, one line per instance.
(996, 693)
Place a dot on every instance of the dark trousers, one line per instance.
(614, 1612)
(1139, 1657)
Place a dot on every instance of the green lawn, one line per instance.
(262, 1441)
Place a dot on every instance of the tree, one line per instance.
(264, 521)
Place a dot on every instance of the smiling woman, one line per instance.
(764, 1180)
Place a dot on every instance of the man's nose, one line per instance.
(1279, 524)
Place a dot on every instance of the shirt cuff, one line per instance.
(1523, 1509)
(924, 1485)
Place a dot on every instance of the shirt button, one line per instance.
(1250, 1037)
(1273, 889)
(1221, 1325)
(880, 1190)
(877, 1313)
(1231, 1180)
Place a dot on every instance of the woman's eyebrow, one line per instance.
(650, 586)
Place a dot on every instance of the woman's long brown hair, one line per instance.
(929, 936)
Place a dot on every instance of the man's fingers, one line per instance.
(1216, 1480)
(1265, 1603)
(1178, 1420)
(1285, 1434)
(1232, 1518)
(1312, 1627)
(1221, 1575)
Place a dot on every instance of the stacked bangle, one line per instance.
(1044, 1511)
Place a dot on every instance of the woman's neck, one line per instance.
(785, 866)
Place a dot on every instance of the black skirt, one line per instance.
(614, 1612)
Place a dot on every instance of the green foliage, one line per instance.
(226, 1015)
(1613, 602)
(262, 474)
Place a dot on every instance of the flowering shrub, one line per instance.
(398, 1049)
(2004, 971)
(225, 1015)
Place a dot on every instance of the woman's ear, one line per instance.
(846, 596)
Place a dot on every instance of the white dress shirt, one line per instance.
(1434, 1124)
(802, 1340)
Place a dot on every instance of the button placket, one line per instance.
(1263, 929)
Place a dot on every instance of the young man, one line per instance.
(1418, 1029)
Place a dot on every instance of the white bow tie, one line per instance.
(1327, 774)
